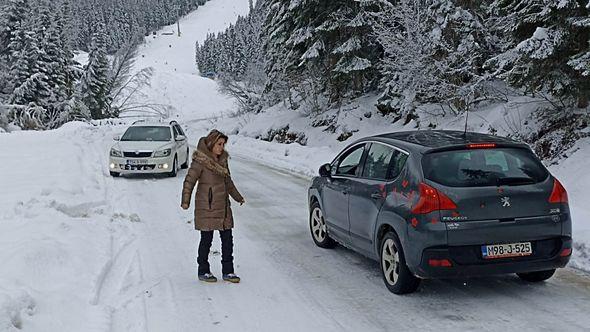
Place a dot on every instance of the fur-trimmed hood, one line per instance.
(205, 157)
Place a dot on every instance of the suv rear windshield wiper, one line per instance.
(513, 181)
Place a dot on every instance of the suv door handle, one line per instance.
(376, 196)
(344, 192)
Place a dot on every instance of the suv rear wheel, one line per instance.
(536, 276)
(396, 275)
(318, 228)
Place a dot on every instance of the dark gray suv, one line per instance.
(439, 204)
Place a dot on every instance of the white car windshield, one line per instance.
(147, 133)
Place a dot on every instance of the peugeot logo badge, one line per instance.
(136, 152)
(505, 201)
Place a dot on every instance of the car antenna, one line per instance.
(466, 118)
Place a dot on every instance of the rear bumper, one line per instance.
(466, 261)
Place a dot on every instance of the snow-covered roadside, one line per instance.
(56, 228)
(573, 173)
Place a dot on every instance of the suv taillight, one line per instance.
(558, 195)
(432, 200)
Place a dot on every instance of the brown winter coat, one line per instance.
(212, 207)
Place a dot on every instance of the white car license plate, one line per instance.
(506, 250)
(137, 162)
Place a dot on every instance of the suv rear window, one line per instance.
(483, 167)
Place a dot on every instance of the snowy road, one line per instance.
(288, 283)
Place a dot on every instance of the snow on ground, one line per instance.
(81, 251)
(573, 173)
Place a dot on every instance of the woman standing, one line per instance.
(209, 168)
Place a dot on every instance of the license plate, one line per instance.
(506, 250)
(137, 162)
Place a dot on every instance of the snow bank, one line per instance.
(573, 173)
(57, 229)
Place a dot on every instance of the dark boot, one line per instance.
(207, 277)
(231, 277)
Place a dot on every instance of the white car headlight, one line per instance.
(116, 153)
(163, 153)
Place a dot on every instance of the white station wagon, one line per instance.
(149, 148)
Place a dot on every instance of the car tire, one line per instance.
(115, 174)
(185, 165)
(318, 227)
(174, 170)
(397, 276)
(536, 276)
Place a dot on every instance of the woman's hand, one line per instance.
(184, 206)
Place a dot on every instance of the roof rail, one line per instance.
(138, 121)
(173, 122)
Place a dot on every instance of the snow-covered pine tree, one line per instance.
(13, 17)
(27, 80)
(277, 29)
(24, 69)
(357, 52)
(95, 83)
(51, 89)
(433, 53)
(547, 47)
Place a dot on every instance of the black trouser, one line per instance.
(227, 248)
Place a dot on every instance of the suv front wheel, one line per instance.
(318, 228)
(396, 275)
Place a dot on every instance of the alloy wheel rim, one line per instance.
(390, 262)
(318, 225)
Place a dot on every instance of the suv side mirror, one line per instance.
(326, 170)
(117, 137)
(180, 138)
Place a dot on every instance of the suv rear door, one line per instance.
(502, 195)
